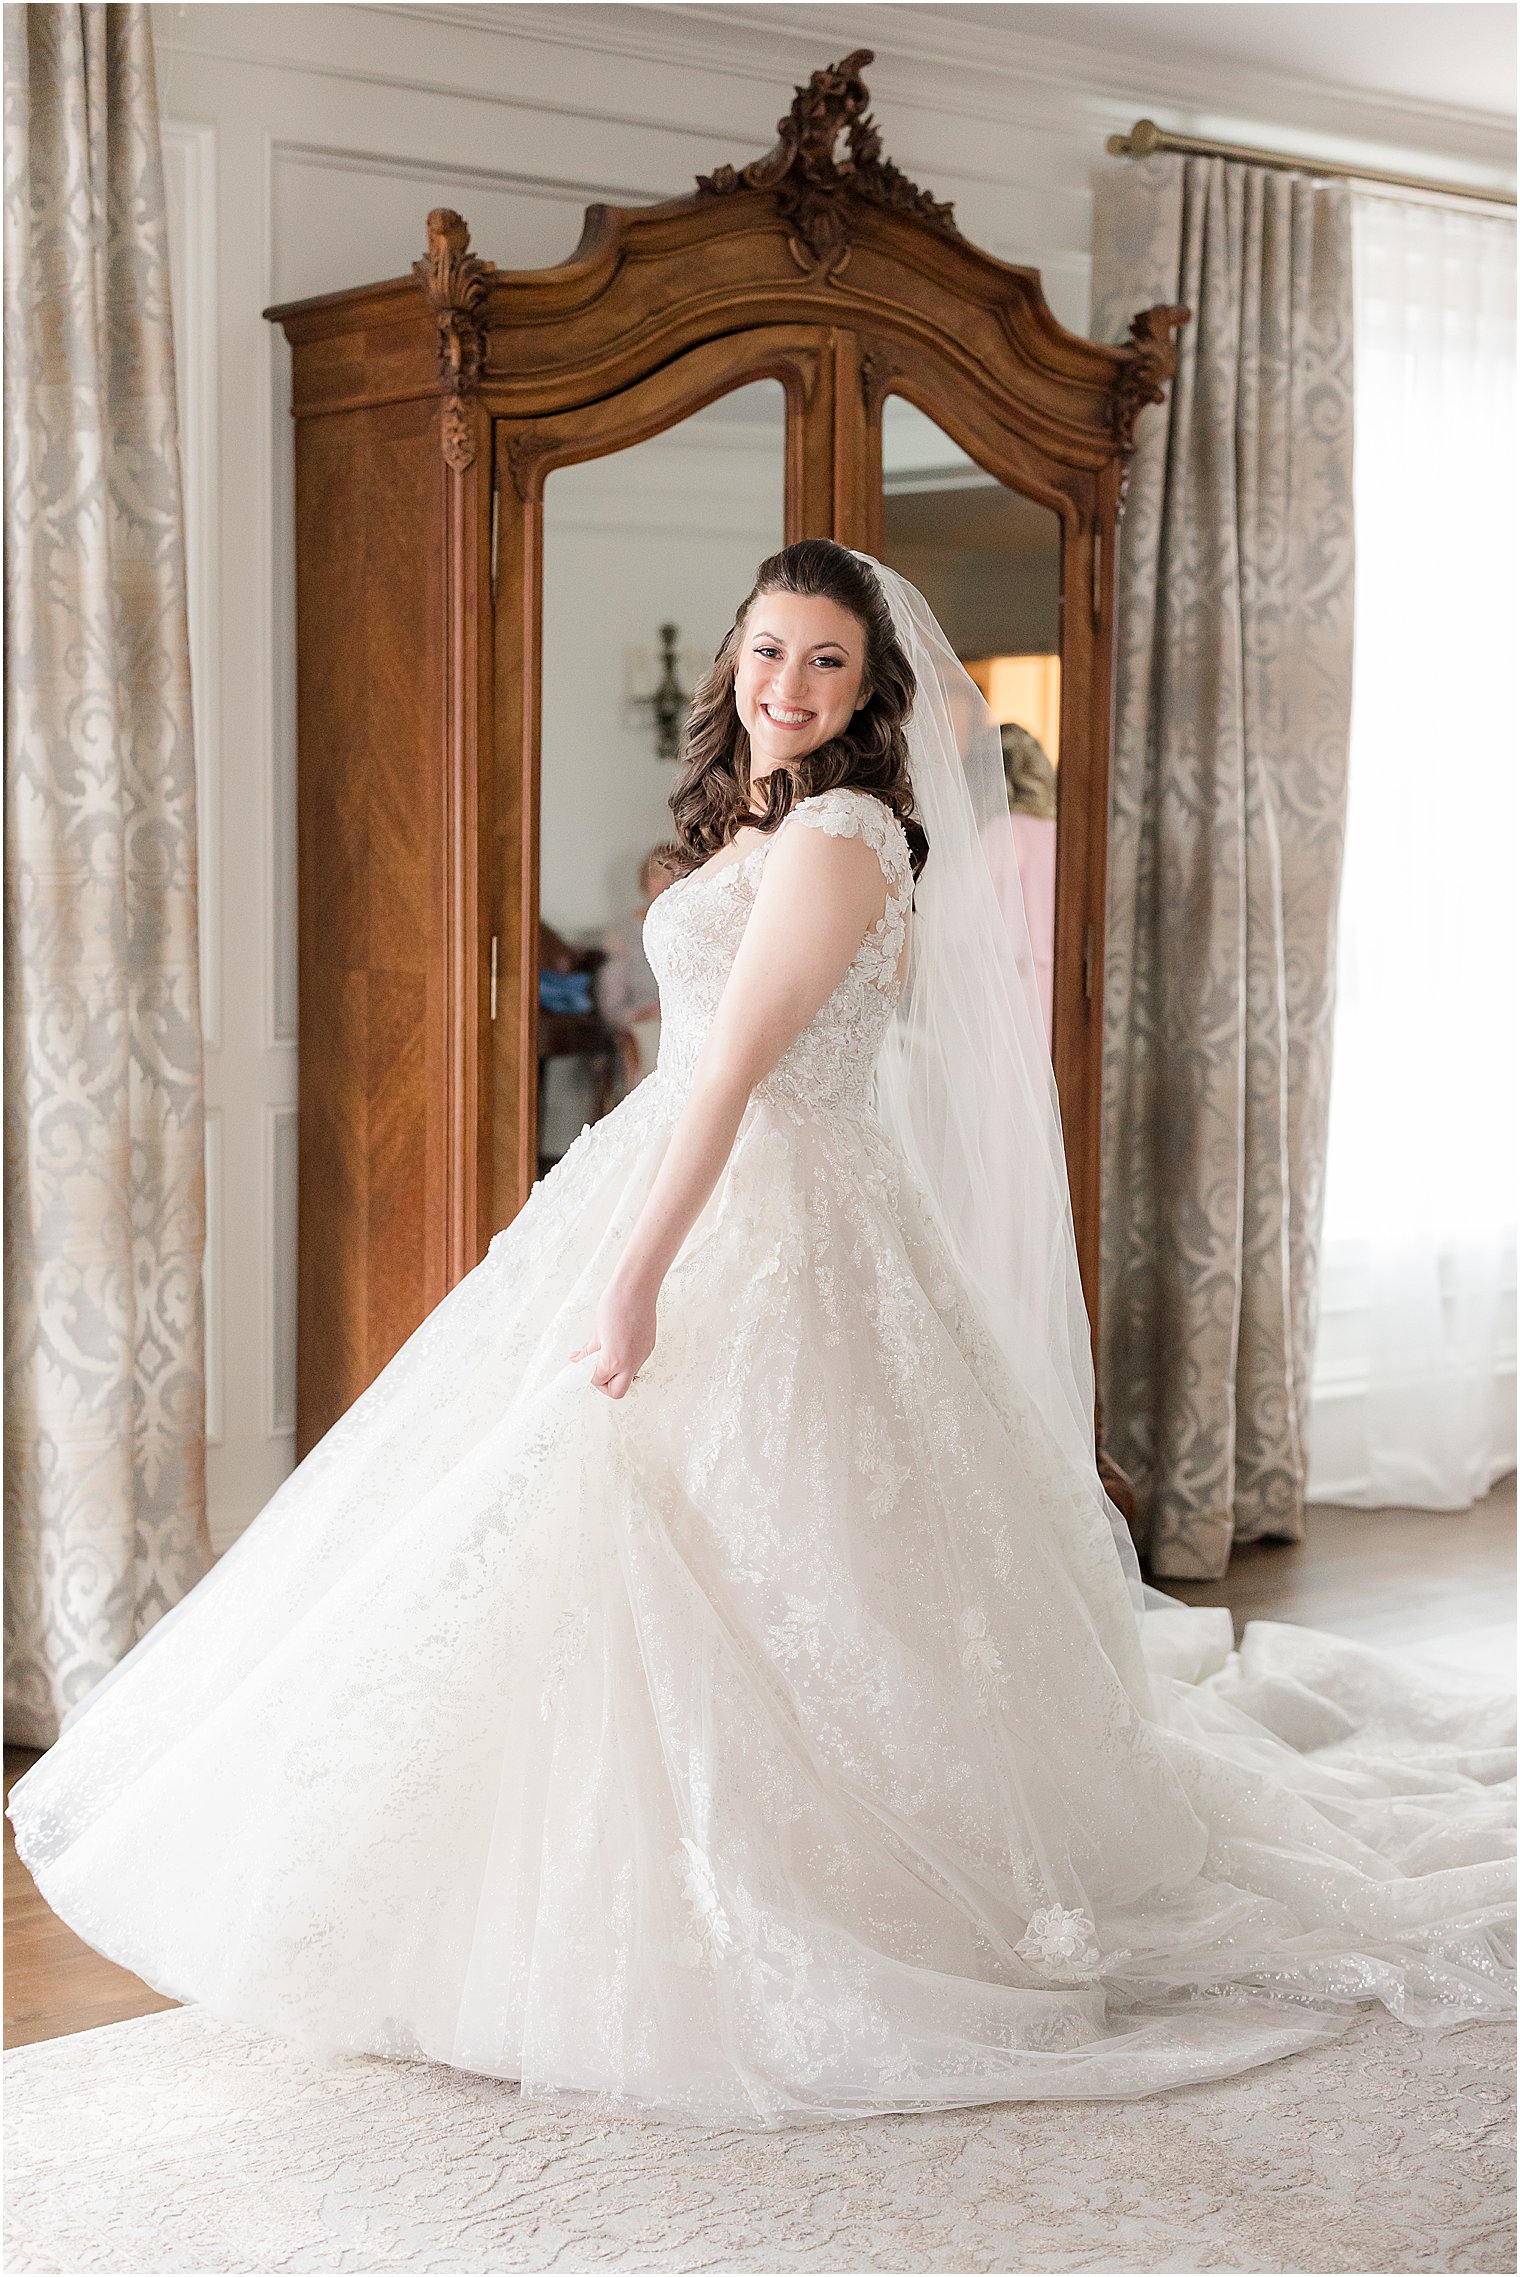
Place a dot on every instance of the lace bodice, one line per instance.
(693, 930)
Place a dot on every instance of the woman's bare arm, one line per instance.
(818, 896)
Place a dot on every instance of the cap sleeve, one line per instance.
(847, 813)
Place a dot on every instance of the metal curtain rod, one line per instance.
(1145, 136)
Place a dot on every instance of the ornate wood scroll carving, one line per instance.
(811, 179)
(876, 376)
(456, 281)
(1151, 362)
(524, 450)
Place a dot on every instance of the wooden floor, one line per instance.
(1386, 1577)
(1391, 1577)
(53, 1982)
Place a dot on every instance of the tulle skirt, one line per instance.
(777, 1744)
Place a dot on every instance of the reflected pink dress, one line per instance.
(1028, 864)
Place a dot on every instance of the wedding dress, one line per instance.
(781, 1742)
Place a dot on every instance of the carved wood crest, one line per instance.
(456, 281)
(1152, 361)
(814, 181)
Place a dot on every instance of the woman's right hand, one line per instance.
(623, 1338)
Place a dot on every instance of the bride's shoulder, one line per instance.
(846, 812)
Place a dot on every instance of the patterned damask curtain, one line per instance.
(104, 1387)
(1232, 722)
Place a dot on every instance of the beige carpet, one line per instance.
(175, 2144)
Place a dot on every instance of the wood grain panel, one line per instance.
(373, 863)
(401, 1120)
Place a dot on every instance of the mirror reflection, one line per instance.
(988, 562)
(647, 553)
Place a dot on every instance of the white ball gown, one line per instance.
(780, 1743)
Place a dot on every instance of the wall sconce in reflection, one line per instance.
(655, 692)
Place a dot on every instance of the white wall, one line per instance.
(305, 146)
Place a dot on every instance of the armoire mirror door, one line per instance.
(723, 456)
(646, 550)
(1007, 525)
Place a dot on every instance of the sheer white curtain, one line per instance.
(1415, 1359)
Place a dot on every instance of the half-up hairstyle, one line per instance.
(712, 799)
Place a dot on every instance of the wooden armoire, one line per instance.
(429, 410)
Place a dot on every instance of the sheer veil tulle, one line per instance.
(964, 1083)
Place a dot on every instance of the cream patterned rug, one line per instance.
(176, 2144)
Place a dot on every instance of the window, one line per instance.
(1413, 1398)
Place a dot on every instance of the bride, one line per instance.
(703, 1672)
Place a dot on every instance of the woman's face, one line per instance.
(798, 676)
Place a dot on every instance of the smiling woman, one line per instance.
(808, 693)
(797, 687)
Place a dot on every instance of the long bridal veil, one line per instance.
(1358, 1807)
(964, 1083)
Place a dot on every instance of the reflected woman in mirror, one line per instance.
(703, 1674)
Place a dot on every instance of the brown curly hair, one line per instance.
(712, 799)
